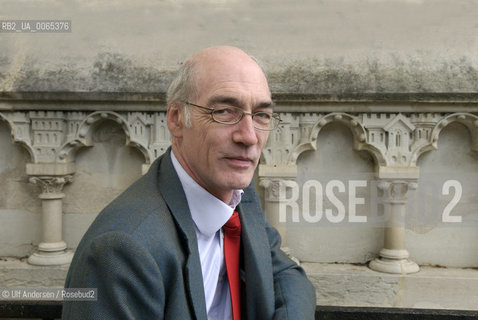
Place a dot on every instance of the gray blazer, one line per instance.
(141, 254)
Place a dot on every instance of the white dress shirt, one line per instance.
(209, 215)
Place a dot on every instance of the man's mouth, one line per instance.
(240, 162)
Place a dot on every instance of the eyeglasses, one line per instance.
(262, 120)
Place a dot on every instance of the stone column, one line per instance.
(274, 180)
(393, 258)
(52, 248)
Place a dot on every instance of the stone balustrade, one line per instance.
(394, 137)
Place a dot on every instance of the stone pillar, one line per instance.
(273, 178)
(52, 248)
(393, 258)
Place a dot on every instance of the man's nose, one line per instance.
(245, 132)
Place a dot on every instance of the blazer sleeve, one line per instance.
(294, 293)
(127, 279)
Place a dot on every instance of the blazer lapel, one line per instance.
(257, 259)
(173, 193)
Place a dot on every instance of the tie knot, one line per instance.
(233, 225)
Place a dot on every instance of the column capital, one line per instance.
(51, 177)
(51, 186)
(275, 188)
(395, 191)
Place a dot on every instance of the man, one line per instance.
(158, 251)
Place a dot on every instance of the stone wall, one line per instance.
(375, 162)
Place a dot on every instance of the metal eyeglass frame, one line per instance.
(274, 116)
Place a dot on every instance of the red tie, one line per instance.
(232, 246)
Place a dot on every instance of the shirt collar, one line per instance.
(208, 212)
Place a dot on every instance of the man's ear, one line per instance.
(175, 120)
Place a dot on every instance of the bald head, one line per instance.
(217, 61)
(224, 63)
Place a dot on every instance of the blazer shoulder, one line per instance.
(139, 204)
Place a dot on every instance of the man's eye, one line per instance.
(263, 115)
(224, 111)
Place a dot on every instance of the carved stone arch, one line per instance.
(82, 137)
(469, 120)
(358, 131)
(19, 137)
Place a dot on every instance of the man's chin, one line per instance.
(240, 182)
